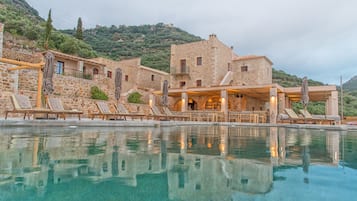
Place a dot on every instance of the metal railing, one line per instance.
(79, 74)
(184, 70)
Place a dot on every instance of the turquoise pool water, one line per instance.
(177, 163)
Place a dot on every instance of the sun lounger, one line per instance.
(293, 117)
(21, 104)
(320, 119)
(122, 110)
(106, 113)
(168, 112)
(158, 115)
(55, 104)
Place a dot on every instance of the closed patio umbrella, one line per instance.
(47, 84)
(118, 76)
(304, 93)
(165, 93)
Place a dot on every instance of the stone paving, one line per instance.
(18, 122)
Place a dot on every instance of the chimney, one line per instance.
(212, 36)
(1, 38)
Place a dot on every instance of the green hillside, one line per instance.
(150, 42)
(23, 22)
(351, 84)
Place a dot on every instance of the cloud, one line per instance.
(312, 38)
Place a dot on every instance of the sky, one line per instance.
(317, 39)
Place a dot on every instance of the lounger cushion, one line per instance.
(103, 107)
(23, 101)
(55, 104)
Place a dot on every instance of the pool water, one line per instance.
(177, 163)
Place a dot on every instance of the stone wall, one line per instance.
(215, 58)
(74, 92)
(259, 71)
(8, 85)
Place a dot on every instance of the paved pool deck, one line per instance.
(18, 122)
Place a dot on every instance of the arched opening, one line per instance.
(95, 71)
(213, 103)
(192, 104)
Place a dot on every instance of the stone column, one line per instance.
(281, 102)
(151, 100)
(1, 38)
(184, 100)
(331, 107)
(273, 109)
(80, 66)
(224, 104)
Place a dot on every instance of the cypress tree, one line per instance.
(48, 30)
(79, 31)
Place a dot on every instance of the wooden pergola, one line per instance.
(270, 93)
(27, 65)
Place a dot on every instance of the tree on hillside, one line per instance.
(48, 29)
(79, 31)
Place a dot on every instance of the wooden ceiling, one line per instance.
(262, 92)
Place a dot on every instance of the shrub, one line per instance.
(98, 94)
(135, 97)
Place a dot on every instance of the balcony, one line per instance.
(180, 71)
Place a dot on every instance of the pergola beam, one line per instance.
(27, 65)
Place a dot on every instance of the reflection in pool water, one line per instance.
(177, 163)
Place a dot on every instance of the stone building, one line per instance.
(134, 75)
(204, 76)
(74, 77)
(70, 65)
(208, 75)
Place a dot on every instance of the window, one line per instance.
(152, 77)
(60, 67)
(229, 67)
(183, 66)
(182, 83)
(109, 74)
(244, 68)
(199, 61)
(198, 83)
(95, 71)
(126, 77)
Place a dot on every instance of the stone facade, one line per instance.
(211, 63)
(77, 66)
(251, 70)
(202, 63)
(134, 75)
(74, 91)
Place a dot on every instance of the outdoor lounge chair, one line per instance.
(120, 108)
(168, 112)
(293, 117)
(320, 119)
(158, 115)
(55, 104)
(104, 111)
(22, 104)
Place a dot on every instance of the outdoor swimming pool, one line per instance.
(177, 163)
